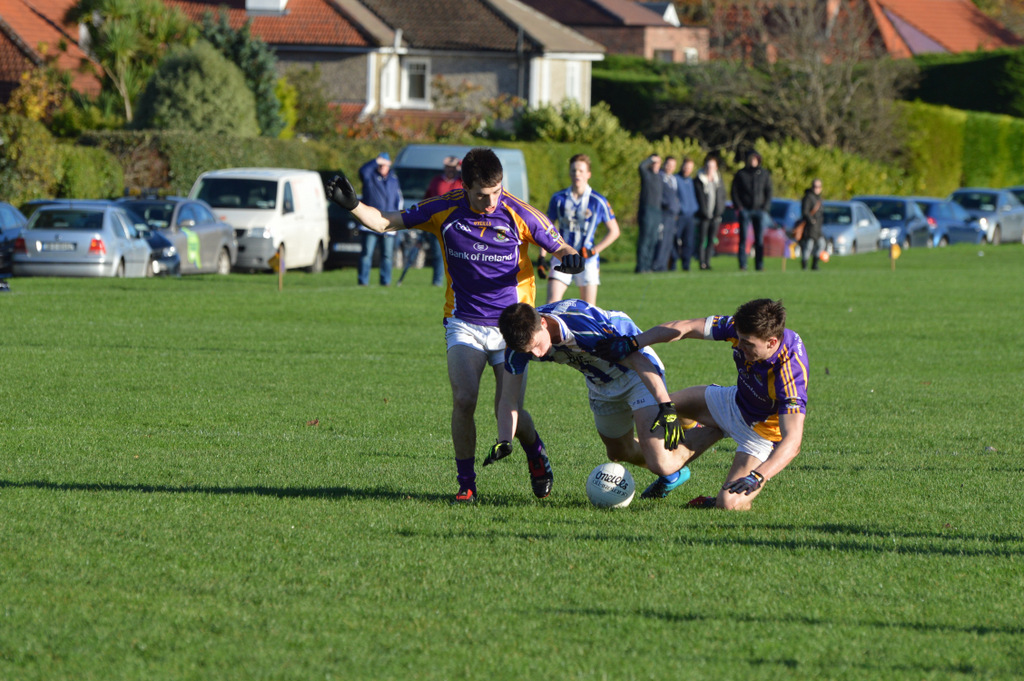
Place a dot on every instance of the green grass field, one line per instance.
(206, 478)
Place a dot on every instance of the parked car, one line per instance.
(902, 221)
(203, 243)
(949, 222)
(417, 164)
(785, 213)
(82, 238)
(11, 223)
(999, 212)
(272, 210)
(849, 227)
(728, 238)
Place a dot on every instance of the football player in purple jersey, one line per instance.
(764, 412)
(484, 234)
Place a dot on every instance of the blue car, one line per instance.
(949, 222)
(901, 219)
(785, 213)
(11, 223)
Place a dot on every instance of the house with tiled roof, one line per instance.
(381, 57)
(912, 27)
(646, 29)
(31, 32)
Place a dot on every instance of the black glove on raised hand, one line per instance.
(745, 485)
(541, 266)
(615, 348)
(571, 264)
(669, 420)
(341, 192)
(499, 451)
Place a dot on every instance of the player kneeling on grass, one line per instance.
(623, 394)
(764, 411)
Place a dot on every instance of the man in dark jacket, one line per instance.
(812, 243)
(752, 198)
(649, 213)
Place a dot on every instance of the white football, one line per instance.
(610, 485)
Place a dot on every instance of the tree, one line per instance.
(257, 62)
(800, 69)
(314, 116)
(128, 38)
(198, 89)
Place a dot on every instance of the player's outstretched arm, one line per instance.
(508, 416)
(571, 261)
(341, 192)
(667, 416)
(792, 428)
(616, 348)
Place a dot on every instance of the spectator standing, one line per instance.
(688, 207)
(710, 192)
(669, 215)
(752, 198)
(649, 213)
(381, 191)
(448, 179)
(812, 241)
(576, 212)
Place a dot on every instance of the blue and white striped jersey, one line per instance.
(581, 326)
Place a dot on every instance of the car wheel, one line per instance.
(224, 262)
(119, 270)
(997, 236)
(318, 261)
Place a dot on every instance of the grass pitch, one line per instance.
(204, 478)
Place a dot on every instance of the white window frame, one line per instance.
(407, 100)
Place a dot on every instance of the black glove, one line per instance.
(746, 485)
(616, 348)
(669, 420)
(341, 192)
(499, 451)
(586, 253)
(571, 264)
(541, 266)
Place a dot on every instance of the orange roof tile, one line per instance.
(931, 25)
(40, 29)
(305, 22)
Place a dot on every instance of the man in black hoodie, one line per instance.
(752, 198)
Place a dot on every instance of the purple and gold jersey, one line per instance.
(767, 388)
(581, 326)
(485, 254)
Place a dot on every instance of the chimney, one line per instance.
(266, 6)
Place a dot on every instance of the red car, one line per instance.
(775, 240)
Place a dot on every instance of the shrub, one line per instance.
(197, 89)
(89, 173)
(30, 160)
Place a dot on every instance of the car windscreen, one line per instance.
(984, 201)
(414, 182)
(66, 219)
(225, 192)
(779, 210)
(887, 210)
(837, 215)
(156, 214)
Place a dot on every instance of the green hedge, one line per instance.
(991, 82)
(34, 164)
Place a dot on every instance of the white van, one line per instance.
(417, 164)
(270, 208)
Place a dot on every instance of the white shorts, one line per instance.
(486, 339)
(590, 276)
(721, 403)
(613, 404)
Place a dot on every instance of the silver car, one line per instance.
(850, 227)
(204, 243)
(998, 211)
(82, 239)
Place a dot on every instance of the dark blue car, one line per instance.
(949, 222)
(11, 223)
(902, 221)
